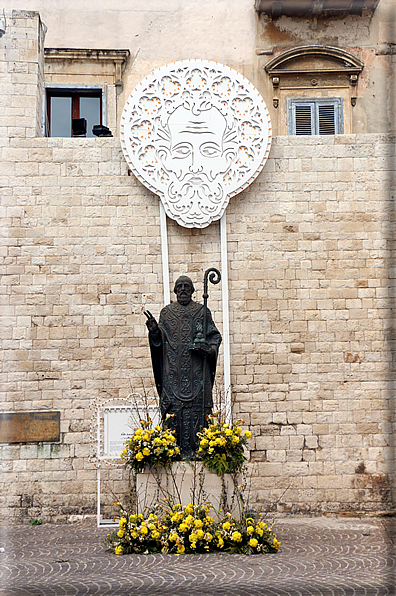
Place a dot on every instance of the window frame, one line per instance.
(75, 91)
(293, 102)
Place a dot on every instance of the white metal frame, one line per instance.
(224, 295)
(100, 459)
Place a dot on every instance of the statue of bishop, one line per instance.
(184, 357)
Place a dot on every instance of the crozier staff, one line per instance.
(184, 355)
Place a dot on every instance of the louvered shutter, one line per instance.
(303, 119)
(326, 119)
(316, 116)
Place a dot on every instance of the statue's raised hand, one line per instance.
(151, 323)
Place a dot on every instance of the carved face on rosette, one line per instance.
(195, 133)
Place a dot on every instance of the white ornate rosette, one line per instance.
(195, 133)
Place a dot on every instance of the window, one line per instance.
(65, 105)
(314, 116)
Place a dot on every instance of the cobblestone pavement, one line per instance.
(320, 556)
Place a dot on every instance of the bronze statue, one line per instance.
(184, 346)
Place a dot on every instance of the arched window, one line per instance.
(314, 89)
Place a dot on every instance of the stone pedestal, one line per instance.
(187, 482)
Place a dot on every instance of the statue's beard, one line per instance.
(194, 199)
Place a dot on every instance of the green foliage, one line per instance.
(36, 522)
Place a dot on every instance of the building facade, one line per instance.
(310, 247)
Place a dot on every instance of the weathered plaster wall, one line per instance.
(371, 37)
(228, 31)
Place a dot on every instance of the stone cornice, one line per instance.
(347, 62)
(116, 58)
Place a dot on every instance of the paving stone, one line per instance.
(319, 557)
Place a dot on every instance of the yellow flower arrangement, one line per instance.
(152, 446)
(188, 530)
(221, 446)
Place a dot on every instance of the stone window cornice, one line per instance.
(113, 60)
(314, 65)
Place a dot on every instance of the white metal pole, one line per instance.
(98, 465)
(226, 317)
(164, 251)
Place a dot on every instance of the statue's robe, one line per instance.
(183, 379)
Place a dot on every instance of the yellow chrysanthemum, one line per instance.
(198, 523)
(181, 549)
(248, 434)
(250, 530)
(121, 533)
(143, 531)
(226, 526)
(237, 537)
(122, 522)
(200, 534)
(118, 550)
(253, 542)
(146, 451)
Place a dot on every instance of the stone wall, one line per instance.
(311, 296)
(21, 75)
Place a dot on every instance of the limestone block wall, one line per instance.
(311, 296)
(21, 75)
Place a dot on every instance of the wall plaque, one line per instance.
(120, 424)
(196, 133)
(29, 427)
